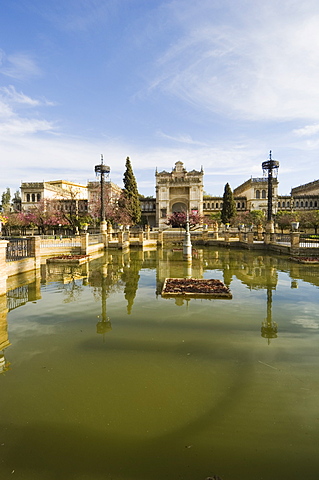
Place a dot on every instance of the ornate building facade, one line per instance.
(178, 191)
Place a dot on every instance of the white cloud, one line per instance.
(11, 95)
(12, 122)
(182, 138)
(263, 67)
(18, 65)
(307, 131)
(24, 126)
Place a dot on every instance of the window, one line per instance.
(163, 212)
(38, 197)
(243, 205)
(301, 203)
(316, 203)
(257, 193)
(310, 204)
(208, 205)
(238, 204)
(306, 203)
(278, 204)
(288, 204)
(204, 205)
(33, 197)
(297, 203)
(216, 205)
(28, 197)
(263, 194)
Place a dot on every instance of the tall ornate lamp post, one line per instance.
(102, 170)
(270, 168)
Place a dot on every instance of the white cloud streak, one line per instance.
(18, 65)
(263, 67)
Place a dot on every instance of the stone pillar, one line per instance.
(294, 243)
(295, 239)
(270, 230)
(141, 237)
(4, 339)
(3, 267)
(105, 239)
(103, 227)
(35, 251)
(187, 244)
(120, 239)
(259, 232)
(84, 244)
(250, 237)
(160, 238)
(215, 231)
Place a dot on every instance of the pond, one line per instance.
(102, 378)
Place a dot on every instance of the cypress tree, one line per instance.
(229, 207)
(131, 193)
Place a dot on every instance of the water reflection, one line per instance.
(173, 391)
(104, 324)
(269, 328)
(120, 272)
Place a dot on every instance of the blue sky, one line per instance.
(212, 83)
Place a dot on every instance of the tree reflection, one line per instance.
(131, 278)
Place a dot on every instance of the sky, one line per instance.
(215, 84)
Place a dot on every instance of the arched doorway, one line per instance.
(179, 207)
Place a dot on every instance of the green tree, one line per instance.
(16, 201)
(5, 200)
(310, 219)
(131, 193)
(284, 219)
(229, 207)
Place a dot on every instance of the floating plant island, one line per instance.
(195, 288)
(307, 260)
(69, 259)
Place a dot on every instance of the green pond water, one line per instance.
(105, 379)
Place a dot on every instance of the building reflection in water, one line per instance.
(119, 270)
(16, 296)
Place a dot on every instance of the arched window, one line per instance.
(310, 204)
(257, 193)
(204, 205)
(297, 203)
(316, 203)
(301, 203)
(283, 204)
(38, 197)
(288, 204)
(216, 205)
(33, 197)
(238, 204)
(28, 197)
(208, 205)
(243, 205)
(263, 194)
(278, 204)
(306, 203)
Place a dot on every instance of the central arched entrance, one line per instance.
(179, 207)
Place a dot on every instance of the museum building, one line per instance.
(178, 190)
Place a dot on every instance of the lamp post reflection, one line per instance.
(269, 328)
(103, 325)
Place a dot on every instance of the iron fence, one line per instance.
(18, 248)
